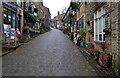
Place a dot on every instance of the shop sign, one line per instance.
(13, 33)
(7, 30)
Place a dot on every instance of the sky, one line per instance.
(56, 5)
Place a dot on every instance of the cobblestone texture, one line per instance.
(50, 54)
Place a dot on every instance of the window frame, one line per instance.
(6, 19)
(81, 22)
(99, 20)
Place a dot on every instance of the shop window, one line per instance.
(5, 16)
(99, 25)
(13, 20)
(9, 17)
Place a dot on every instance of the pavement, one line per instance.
(50, 54)
(9, 48)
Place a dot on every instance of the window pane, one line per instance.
(96, 26)
(100, 37)
(13, 20)
(5, 16)
(96, 37)
(9, 17)
(100, 25)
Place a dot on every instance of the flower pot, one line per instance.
(78, 42)
(72, 38)
(81, 43)
(105, 60)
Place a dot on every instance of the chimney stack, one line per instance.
(58, 13)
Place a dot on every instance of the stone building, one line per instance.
(66, 19)
(57, 21)
(46, 16)
(100, 21)
(43, 12)
(98, 16)
(80, 14)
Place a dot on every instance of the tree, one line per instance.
(74, 6)
(64, 10)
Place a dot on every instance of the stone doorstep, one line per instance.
(10, 47)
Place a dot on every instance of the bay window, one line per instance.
(99, 25)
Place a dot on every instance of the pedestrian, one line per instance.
(18, 34)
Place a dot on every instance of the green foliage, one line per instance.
(30, 17)
(48, 28)
(31, 29)
(117, 67)
(26, 12)
(25, 23)
(43, 27)
(82, 34)
(36, 10)
(42, 24)
(62, 28)
(71, 15)
(96, 51)
(72, 33)
(42, 31)
(66, 30)
(74, 6)
(43, 20)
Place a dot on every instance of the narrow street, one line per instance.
(50, 54)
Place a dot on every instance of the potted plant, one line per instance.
(90, 30)
(107, 30)
(90, 48)
(82, 35)
(72, 35)
(104, 57)
(96, 54)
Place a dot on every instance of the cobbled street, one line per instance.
(50, 54)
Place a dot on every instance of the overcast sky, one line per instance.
(56, 5)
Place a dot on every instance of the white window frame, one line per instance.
(99, 20)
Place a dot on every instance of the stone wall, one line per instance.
(112, 21)
(1, 20)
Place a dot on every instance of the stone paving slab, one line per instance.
(50, 54)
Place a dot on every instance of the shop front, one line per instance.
(10, 22)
